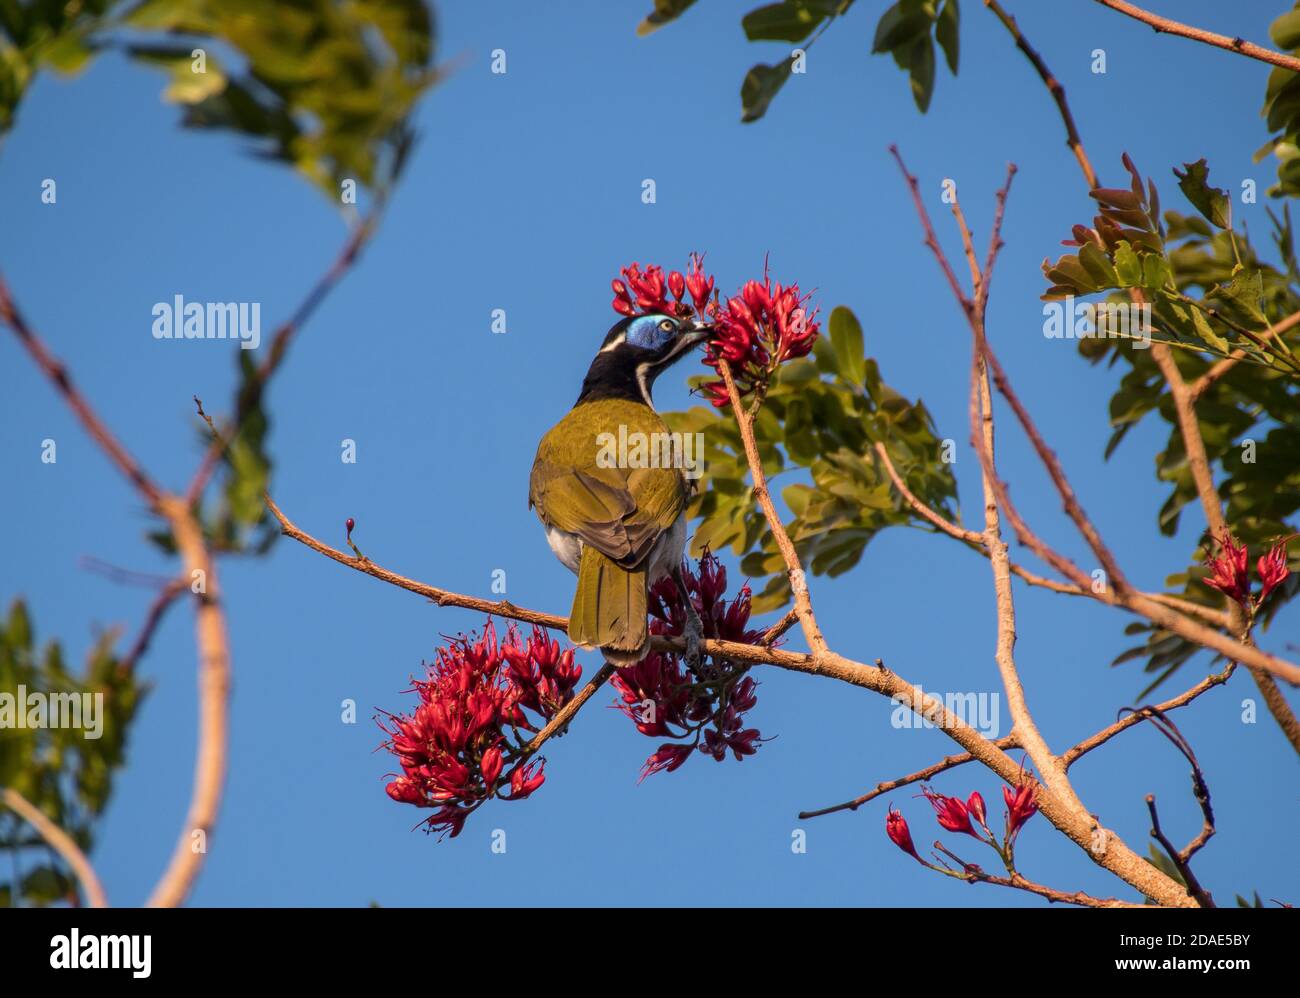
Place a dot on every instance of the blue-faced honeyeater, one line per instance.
(619, 529)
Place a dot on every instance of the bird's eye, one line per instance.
(667, 325)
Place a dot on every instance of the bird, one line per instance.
(620, 529)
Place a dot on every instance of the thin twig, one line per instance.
(1176, 857)
(1054, 87)
(60, 841)
(798, 580)
(1020, 882)
(1164, 25)
(975, 541)
(928, 773)
(56, 372)
(1203, 384)
(152, 619)
(250, 393)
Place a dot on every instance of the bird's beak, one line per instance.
(698, 332)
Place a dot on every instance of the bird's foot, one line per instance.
(693, 634)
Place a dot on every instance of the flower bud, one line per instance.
(897, 830)
(490, 765)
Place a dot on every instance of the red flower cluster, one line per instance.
(954, 815)
(758, 330)
(1230, 575)
(649, 292)
(462, 745)
(704, 712)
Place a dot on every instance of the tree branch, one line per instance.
(1054, 87)
(210, 626)
(798, 580)
(1072, 755)
(55, 371)
(1116, 857)
(214, 702)
(251, 393)
(1203, 384)
(928, 773)
(1164, 25)
(60, 841)
(975, 541)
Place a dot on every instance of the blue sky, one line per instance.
(524, 194)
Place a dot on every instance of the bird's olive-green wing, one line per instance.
(619, 511)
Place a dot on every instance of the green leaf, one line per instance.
(1127, 266)
(761, 84)
(1285, 31)
(945, 33)
(1210, 201)
(790, 21)
(45, 885)
(665, 11)
(1245, 291)
(900, 27)
(846, 338)
(921, 63)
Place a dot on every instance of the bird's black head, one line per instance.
(635, 350)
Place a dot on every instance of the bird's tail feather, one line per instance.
(609, 609)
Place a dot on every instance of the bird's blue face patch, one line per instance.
(651, 332)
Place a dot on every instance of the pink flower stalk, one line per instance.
(471, 723)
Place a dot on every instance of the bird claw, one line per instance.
(693, 633)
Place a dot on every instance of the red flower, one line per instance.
(1020, 806)
(664, 700)
(650, 291)
(897, 830)
(1272, 569)
(666, 759)
(524, 779)
(1228, 572)
(975, 804)
(471, 722)
(759, 329)
(950, 811)
(490, 765)
(698, 283)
